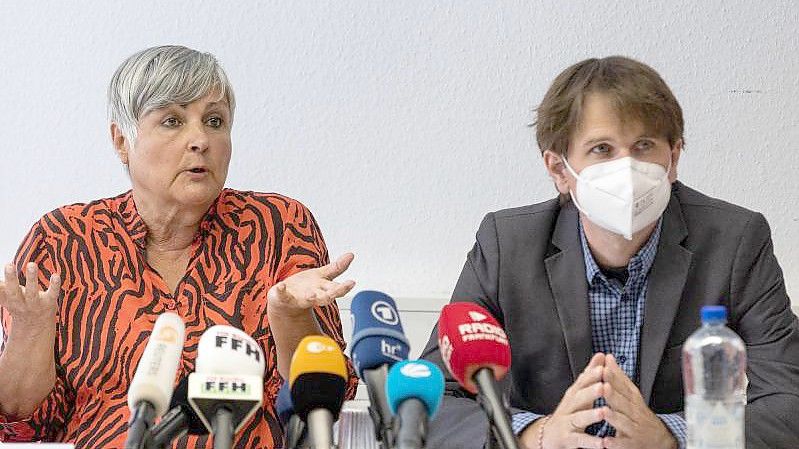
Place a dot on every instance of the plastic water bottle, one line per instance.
(714, 374)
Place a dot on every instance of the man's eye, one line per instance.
(645, 145)
(602, 148)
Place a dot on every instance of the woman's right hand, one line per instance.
(27, 363)
(31, 309)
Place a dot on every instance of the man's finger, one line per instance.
(620, 421)
(584, 418)
(598, 359)
(583, 399)
(617, 442)
(334, 269)
(584, 440)
(591, 375)
(616, 400)
(622, 384)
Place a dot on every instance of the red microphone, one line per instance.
(475, 350)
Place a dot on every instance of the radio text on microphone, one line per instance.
(482, 331)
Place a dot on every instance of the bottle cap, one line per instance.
(714, 314)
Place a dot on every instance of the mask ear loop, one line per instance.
(573, 196)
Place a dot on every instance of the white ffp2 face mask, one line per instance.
(623, 195)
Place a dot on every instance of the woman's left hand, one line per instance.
(310, 288)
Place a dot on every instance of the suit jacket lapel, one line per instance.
(666, 282)
(566, 272)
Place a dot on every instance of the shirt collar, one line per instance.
(137, 228)
(639, 264)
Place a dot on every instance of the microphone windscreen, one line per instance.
(181, 399)
(377, 336)
(154, 379)
(226, 350)
(470, 338)
(418, 379)
(283, 404)
(318, 376)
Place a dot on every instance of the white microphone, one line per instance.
(151, 389)
(227, 387)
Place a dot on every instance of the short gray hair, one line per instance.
(159, 76)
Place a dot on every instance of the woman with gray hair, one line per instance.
(89, 280)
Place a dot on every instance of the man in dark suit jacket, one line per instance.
(619, 267)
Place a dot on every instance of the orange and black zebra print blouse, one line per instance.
(111, 298)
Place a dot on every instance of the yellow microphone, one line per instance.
(318, 380)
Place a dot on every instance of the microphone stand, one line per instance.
(223, 428)
(139, 426)
(378, 406)
(491, 400)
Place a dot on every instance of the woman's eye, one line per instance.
(170, 122)
(215, 122)
(602, 148)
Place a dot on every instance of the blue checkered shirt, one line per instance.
(617, 312)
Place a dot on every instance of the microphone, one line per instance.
(293, 427)
(378, 342)
(151, 388)
(476, 351)
(227, 386)
(318, 379)
(179, 420)
(414, 390)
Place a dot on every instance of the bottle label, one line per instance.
(714, 424)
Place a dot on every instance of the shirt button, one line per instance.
(622, 358)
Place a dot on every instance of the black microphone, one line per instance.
(179, 420)
(293, 426)
(318, 381)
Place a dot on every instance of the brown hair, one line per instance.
(636, 91)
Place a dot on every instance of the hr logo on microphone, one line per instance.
(385, 313)
(391, 351)
(238, 344)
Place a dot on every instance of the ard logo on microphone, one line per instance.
(224, 340)
(385, 313)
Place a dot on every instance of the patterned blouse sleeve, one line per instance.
(304, 248)
(48, 420)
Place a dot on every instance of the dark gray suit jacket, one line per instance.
(527, 268)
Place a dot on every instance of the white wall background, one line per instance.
(401, 123)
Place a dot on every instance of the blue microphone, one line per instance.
(283, 404)
(414, 389)
(377, 336)
(378, 342)
(293, 425)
